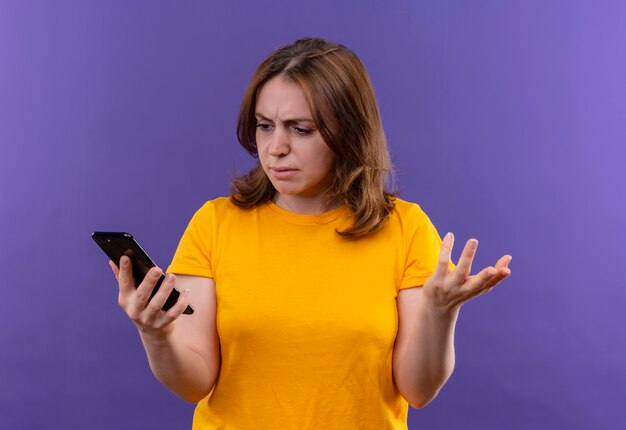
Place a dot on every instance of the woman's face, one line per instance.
(291, 150)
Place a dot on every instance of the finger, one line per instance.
(497, 278)
(125, 276)
(115, 269)
(477, 282)
(445, 254)
(144, 290)
(464, 267)
(158, 300)
(504, 261)
(177, 310)
(488, 290)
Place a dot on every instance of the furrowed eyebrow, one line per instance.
(287, 122)
(261, 116)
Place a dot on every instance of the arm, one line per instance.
(183, 351)
(423, 357)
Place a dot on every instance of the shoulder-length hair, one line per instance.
(343, 105)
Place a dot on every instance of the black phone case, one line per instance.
(117, 244)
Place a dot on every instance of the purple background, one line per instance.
(506, 120)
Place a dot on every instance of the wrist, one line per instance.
(439, 310)
(156, 337)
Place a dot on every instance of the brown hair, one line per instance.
(342, 102)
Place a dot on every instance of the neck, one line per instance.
(304, 205)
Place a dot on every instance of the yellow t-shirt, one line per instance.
(306, 320)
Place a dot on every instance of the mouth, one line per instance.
(283, 172)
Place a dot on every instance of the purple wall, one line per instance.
(507, 122)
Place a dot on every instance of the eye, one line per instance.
(303, 131)
(264, 126)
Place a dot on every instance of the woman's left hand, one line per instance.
(448, 289)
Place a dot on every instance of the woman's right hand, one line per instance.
(184, 353)
(146, 313)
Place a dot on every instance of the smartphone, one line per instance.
(117, 244)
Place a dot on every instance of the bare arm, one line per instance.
(423, 357)
(183, 350)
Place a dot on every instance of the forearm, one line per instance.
(425, 361)
(423, 356)
(180, 367)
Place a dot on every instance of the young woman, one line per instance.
(322, 300)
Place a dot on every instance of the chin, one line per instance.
(288, 189)
(295, 190)
(288, 192)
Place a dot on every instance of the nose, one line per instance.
(279, 143)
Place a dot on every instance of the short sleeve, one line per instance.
(193, 254)
(423, 245)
